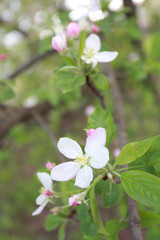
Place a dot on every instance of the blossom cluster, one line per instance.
(95, 156)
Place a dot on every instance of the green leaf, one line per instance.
(100, 80)
(69, 78)
(113, 227)
(61, 232)
(149, 219)
(6, 92)
(88, 227)
(111, 194)
(82, 38)
(102, 118)
(52, 222)
(143, 187)
(132, 151)
(82, 211)
(96, 214)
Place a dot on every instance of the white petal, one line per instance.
(41, 199)
(65, 171)
(46, 180)
(95, 141)
(78, 13)
(84, 177)
(105, 56)
(92, 42)
(100, 159)
(69, 148)
(39, 210)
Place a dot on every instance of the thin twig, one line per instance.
(30, 63)
(95, 91)
(41, 121)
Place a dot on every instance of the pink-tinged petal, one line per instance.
(105, 56)
(65, 171)
(39, 209)
(100, 159)
(41, 199)
(84, 177)
(90, 131)
(59, 42)
(95, 141)
(92, 42)
(95, 28)
(73, 30)
(74, 201)
(69, 148)
(46, 180)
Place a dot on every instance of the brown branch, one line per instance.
(10, 116)
(120, 120)
(95, 91)
(30, 63)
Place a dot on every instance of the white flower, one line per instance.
(92, 54)
(96, 156)
(43, 198)
(82, 8)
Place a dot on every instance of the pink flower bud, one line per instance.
(90, 131)
(95, 29)
(49, 166)
(116, 152)
(74, 201)
(48, 193)
(73, 30)
(3, 56)
(59, 42)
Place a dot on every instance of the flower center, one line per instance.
(90, 53)
(48, 193)
(83, 159)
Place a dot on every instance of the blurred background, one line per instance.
(39, 114)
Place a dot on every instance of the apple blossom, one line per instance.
(73, 30)
(46, 194)
(3, 56)
(59, 42)
(96, 156)
(95, 28)
(77, 199)
(91, 52)
(90, 131)
(82, 8)
(49, 166)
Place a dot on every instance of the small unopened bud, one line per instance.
(74, 201)
(3, 56)
(116, 152)
(95, 29)
(73, 30)
(49, 166)
(55, 210)
(59, 42)
(110, 175)
(90, 131)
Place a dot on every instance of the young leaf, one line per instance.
(52, 222)
(82, 43)
(100, 80)
(113, 227)
(149, 219)
(96, 214)
(132, 151)
(88, 227)
(102, 118)
(69, 78)
(143, 187)
(6, 92)
(61, 232)
(111, 194)
(82, 211)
